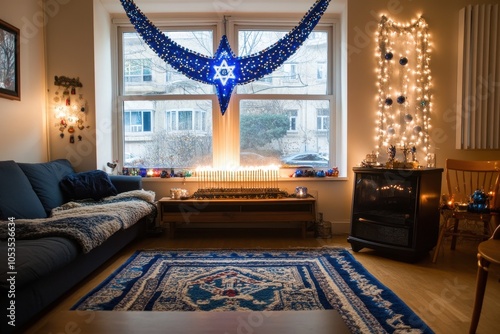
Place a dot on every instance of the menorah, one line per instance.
(242, 183)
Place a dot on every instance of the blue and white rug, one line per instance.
(255, 280)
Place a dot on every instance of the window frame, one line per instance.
(332, 26)
(226, 143)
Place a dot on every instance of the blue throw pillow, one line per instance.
(45, 178)
(17, 197)
(93, 184)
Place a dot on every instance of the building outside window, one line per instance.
(283, 114)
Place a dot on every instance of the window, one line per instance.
(323, 119)
(180, 133)
(183, 120)
(169, 119)
(320, 71)
(277, 120)
(137, 121)
(138, 70)
(292, 115)
(290, 71)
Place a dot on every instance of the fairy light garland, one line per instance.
(404, 105)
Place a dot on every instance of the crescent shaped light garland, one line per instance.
(224, 70)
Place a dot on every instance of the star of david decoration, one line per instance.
(224, 70)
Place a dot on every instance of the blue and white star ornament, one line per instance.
(225, 71)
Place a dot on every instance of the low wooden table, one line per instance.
(285, 210)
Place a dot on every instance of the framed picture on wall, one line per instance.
(10, 85)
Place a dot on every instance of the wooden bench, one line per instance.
(285, 210)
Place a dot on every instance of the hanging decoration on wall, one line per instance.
(70, 107)
(404, 82)
(224, 70)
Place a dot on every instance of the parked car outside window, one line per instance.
(306, 159)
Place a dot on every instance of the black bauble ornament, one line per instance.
(401, 99)
(388, 101)
(403, 61)
(389, 55)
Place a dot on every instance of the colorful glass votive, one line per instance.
(301, 192)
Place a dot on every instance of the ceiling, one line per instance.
(222, 6)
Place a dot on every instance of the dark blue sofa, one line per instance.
(46, 268)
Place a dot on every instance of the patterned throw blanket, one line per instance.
(87, 222)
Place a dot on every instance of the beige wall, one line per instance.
(442, 18)
(70, 52)
(22, 123)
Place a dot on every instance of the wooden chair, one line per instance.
(488, 252)
(463, 178)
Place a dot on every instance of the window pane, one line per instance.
(267, 138)
(185, 120)
(298, 75)
(145, 73)
(167, 137)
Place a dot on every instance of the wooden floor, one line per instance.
(441, 294)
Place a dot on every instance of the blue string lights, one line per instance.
(224, 70)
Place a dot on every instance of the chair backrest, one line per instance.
(496, 233)
(464, 177)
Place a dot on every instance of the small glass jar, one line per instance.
(301, 192)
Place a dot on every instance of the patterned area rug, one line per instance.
(255, 280)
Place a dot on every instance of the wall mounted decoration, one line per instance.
(10, 84)
(70, 108)
(404, 97)
(224, 70)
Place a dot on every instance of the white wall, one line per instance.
(22, 123)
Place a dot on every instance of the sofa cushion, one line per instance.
(93, 184)
(124, 183)
(37, 258)
(17, 197)
(45, 179)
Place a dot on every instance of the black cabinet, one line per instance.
(396, 211)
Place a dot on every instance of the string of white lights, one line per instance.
(404, 105)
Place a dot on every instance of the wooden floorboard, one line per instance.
(441, 293)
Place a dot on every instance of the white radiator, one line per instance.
(478, 95)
